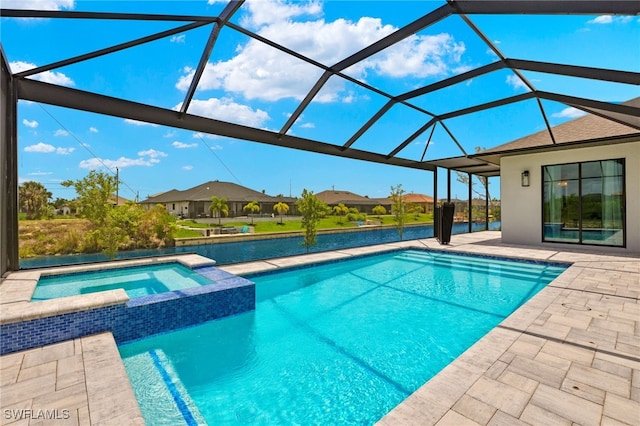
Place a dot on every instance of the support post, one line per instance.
(9, 260)
(486, 205)
(470, 202)
(448, 185)
(435, 189)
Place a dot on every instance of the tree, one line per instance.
(219, 207)
(156, 227)
(484, 181)
(340, 210)
(379, 210)
(398, 208)
(252, 207)
(113, 233)
(311, 209)
(95, 196)
(415, 209)
(281, 208)
(34, 198)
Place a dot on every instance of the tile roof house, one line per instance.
(424, 201)
(194, 202)
(333, 197)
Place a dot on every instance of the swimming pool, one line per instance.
(136, 281)
(337, 343)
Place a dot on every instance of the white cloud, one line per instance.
(152, 154)
(40, 173)
(64, 151)
(181, 38)
(269, 12)
(261, 72)
(93, 130)
(33, 124)
(61, 132)
(608, 19)
(308, 126)
(515, 82)
(46, 77)
(602, 19)
(38, 4)
(40, 147)
(139, 123)
(187, 168)
(182, 145)
(45, 148)
(569, 112)
(227, 110)
(419, 56)
(146, 159)
(170, 134)
(121, 163)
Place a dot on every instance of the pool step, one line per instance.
(160, 385)
(510, 269)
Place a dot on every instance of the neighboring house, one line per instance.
(581, 188)
(363, 204)
(121, 201)
(194, 202)
(424, 201)
(63, 211)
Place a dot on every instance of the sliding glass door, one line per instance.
(584, 203)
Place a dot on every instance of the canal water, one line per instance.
(245, 251)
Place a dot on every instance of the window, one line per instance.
(583, 203)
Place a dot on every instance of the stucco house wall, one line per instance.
(522, 206)
(178, 208)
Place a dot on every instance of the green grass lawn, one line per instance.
(331, 222)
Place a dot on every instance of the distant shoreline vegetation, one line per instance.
(63, 235)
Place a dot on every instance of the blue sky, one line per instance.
(249, 83)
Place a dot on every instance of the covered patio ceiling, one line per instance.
(427, 114)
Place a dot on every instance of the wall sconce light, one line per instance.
(524, 179)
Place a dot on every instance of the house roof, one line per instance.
(597, 128)
(418, 198)
(585, 128)
(345, 197)
(203, 192)
(121, 201)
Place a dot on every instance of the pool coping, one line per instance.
(550, 362)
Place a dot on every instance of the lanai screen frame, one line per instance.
(18, 86)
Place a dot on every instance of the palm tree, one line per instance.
(281, 208)
(219, 206)
(252, 207)
(33, 198)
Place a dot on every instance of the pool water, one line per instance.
(136, 281)
(340, 343)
